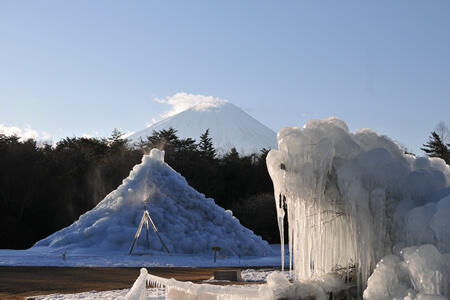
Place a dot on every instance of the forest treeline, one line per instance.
(44, 188)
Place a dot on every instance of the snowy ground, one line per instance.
(44, 257)
(249, 275)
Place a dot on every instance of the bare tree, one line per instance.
(443, 132)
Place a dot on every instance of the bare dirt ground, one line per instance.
(21, 282)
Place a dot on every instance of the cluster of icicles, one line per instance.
(339, 191)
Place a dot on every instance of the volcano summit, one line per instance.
(228, 126)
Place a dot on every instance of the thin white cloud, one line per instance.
(93, 134)
(24, 133)
(183, 101)
(46, 136)
(30, 133)
(10, 130)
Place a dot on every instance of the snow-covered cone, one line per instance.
(186, 221)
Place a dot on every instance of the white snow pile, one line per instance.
(187, 222)
(352, 199)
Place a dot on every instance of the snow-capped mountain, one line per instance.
(228, 126)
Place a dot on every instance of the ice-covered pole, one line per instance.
(137, 291)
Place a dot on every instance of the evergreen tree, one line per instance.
(165, 139)
(232, 156)
(205, 146)
(141, 144)
(117, 141)
(437, 148)
(116, 136)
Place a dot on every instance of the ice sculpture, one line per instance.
(340, 192)
(187, 221)
(277, 287)
(420, 273)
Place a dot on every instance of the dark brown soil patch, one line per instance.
(21, 282)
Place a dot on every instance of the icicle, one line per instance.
(188, 290)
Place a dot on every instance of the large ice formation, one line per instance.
(420, 273)
(278, 287)
(186, 220)
(353, 198)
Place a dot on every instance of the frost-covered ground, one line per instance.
(51, 257)
(248, 275)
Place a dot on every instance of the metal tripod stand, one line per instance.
(145, 218)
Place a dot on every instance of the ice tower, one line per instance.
(186, 220)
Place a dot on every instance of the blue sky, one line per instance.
(73, 68)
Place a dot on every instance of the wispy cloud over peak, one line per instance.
(183, 101)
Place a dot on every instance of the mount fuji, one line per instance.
(228, 126)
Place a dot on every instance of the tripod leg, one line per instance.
(138, 232)
(146, 229)
(156, 231)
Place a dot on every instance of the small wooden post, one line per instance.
(215, 249)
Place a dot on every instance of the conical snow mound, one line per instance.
(186, 221)
(228, 127)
